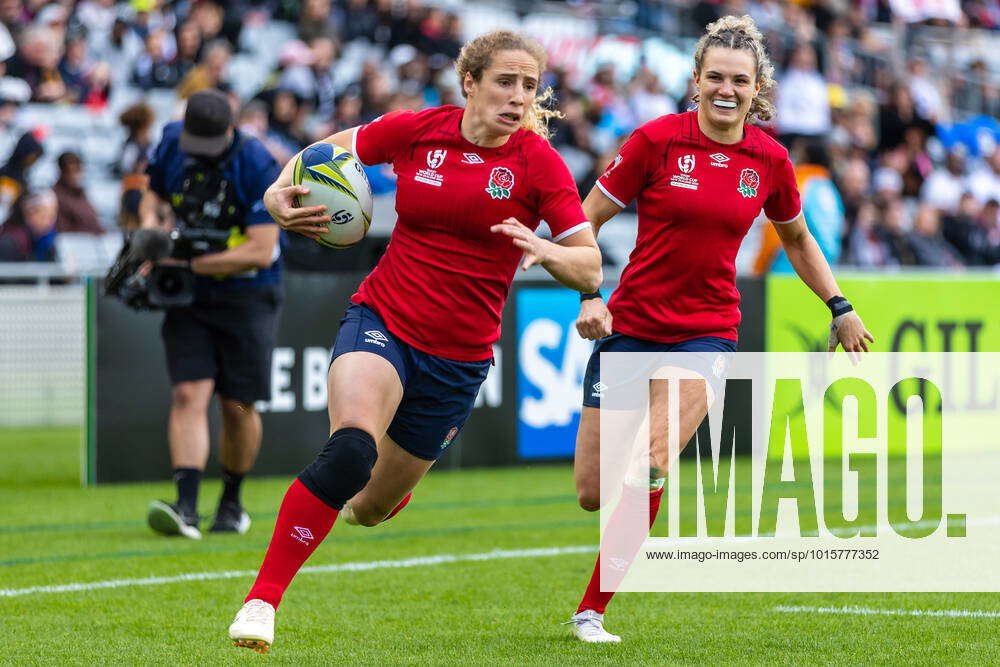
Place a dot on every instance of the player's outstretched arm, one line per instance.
(574, 261)
(847, 329)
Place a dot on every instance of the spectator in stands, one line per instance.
(153, 68)
(897, 116)
(285, 121)
(189, 40)
(211, 73)
(309, 74)
(985, 181)
(13, 93)
(821, 206)
(918, 165)
(14, 175)
(976, 91)
(360, 21)
(31, 236)
(854, 184)
(887, 181)
(74, 66)
(76, 213)
(120, 51)
(37, 62)
(13, 16)
(926, 96)
(928, 245)
(54, 17)
(315, 21)
(375, 91)
(436, 34)
(647, 97)
(97, 17)
(944, 188)
(969, 232)
(209, 18)
(138, 122)
(253, 122)
(802, 101)
(892, 230)
(865, 247)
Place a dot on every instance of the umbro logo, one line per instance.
(471, 158)
(719, 159)
(599, 388)
(376, 337)
(303, 535)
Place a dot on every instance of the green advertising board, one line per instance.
(905, 313)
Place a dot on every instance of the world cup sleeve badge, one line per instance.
(501, 183)
(749, 181)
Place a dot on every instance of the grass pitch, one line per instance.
(448, 611)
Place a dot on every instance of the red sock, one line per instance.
(303, 522)
(632, 501)
(400, 506)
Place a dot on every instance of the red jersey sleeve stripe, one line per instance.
(572, 230)
(610, 196)
(792, 219)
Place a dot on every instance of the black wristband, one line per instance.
(838, 305)
(589, 295)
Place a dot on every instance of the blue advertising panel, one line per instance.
(551, 361)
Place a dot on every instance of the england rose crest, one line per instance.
(749, 180)
(501, 182)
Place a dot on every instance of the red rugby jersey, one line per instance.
(696, 201)
(444, 278)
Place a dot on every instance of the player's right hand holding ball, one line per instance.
(281, 201)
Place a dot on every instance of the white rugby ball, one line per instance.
(336, 180)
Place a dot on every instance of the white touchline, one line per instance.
(868, 611)
(419, 561)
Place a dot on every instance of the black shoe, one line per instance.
(170, 519)
(230, 518)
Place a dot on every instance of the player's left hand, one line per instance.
(849, 331)
(535, 248)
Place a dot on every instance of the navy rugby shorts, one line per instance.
(707, 365)
(438, 393)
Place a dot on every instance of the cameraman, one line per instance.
(213, 177)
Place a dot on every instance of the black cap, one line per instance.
(206, 124)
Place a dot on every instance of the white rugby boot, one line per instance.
(588, 626)
(253, 626)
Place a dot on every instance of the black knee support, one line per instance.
(342, 468)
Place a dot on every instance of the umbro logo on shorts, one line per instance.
(303, 535)
(376, 337)
(599, 388)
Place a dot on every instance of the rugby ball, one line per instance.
(336, 180)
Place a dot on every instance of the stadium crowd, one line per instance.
(903, 140)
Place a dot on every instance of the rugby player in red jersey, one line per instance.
(416, 341)
(700, 179)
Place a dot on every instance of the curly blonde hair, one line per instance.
(740, 32)
(476, 57)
